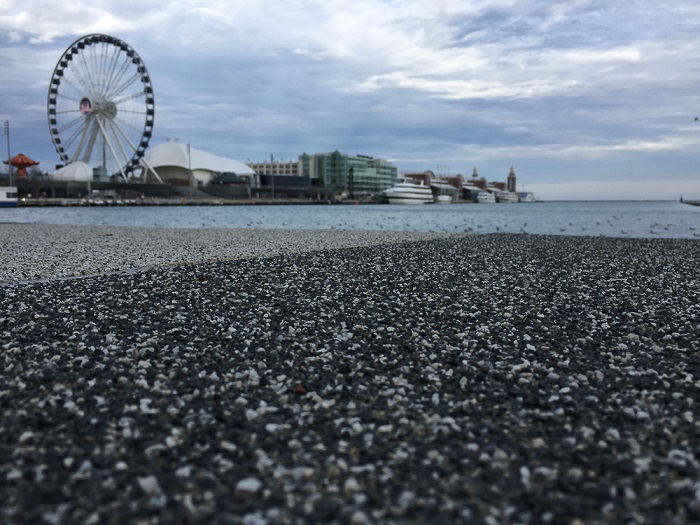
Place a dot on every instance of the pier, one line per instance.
(175, 201)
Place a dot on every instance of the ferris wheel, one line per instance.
(100, 105)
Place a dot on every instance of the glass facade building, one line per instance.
(357, 176)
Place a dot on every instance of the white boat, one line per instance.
(409, 193)
(528, 197)
(485, 197)
(444, 192)
(8, 196)
(507, 196)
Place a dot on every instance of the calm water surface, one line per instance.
(656, 219)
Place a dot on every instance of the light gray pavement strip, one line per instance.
(39, 251)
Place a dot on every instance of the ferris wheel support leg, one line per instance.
(92, 139)
(81, 142)
(143, 159)
(111, 148)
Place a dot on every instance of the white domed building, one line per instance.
(75, 171)
(174, 161)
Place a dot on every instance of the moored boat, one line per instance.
(8, 196)
(444, 199)
(443, 191)
(527, 197)
(507, 196)
(409, 193)
(485, 197)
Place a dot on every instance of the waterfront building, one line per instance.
(325, 175)
(276, 167)
(281, 179)
(359, 176)
(180, 164)
(75, 171)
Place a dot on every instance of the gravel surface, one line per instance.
(484, 379)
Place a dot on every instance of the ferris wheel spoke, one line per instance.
(122, 63)
(69, 102)
(128, 126)
(126, 84)
(127, 98)
(101, 71)
(76, 90)
(82, 81)
(137, 112)
(117, 78)
(126, 138)
(75, 132)
(96, 69)
(85, 76)
(77, 136)
(83, 84)
(112, 71)
(78, 121)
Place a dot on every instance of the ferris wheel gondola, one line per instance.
(101, 106)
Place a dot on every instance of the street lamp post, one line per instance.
(9, 166)
(189, 170)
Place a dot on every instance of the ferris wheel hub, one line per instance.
(107, 109)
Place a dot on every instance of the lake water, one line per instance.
(655, 219)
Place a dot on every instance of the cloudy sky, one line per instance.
(587, 99)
